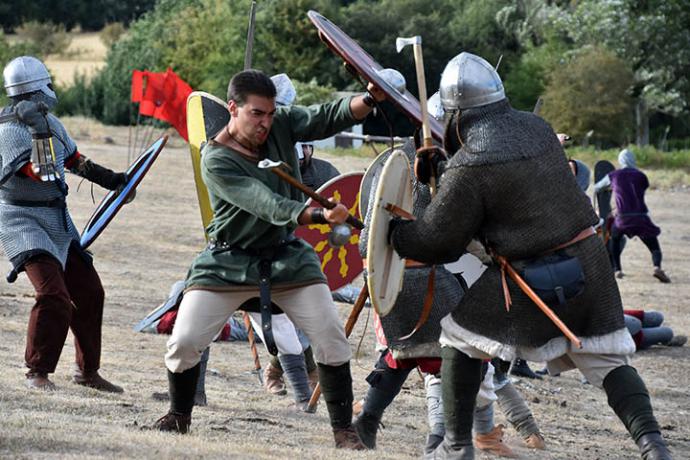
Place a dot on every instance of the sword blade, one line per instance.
(250, 38)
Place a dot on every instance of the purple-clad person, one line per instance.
(629, 185)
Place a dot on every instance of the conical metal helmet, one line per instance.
(26, 74)
(469, 81)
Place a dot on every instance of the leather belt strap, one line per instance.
(266, 256)
(589, 231)
(428, 304)
(503, 262)
(265, 305)
(56, 203)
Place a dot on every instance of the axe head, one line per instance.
(402, 42)
(270, 164)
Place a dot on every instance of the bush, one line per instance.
(112, 33)
(312, 93)
(49, 38)
(590, 93)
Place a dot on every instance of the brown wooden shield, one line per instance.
(340, 265)
(353, 54)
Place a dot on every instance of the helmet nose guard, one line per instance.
(26, 74)
(469, 81)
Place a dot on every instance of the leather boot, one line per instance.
(93, 380)
(367, 425)
(535, 441)
(628, 397)
(200, 394)
(347, 438)
(39, 381)
(520, 368)
(273, 380)
(653, 447)
(181, 388)
(336, 387)
(175, 423)
(492, 442)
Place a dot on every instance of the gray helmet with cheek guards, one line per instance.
(469, 81)
(26, 74)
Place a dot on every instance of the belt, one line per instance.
(266, 256)
(589, 231)
(55, 203)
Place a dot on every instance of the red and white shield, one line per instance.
(343, 264)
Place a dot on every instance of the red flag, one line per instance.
(137, 85)
(174, 107)
(162, 96)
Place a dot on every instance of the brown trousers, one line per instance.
(69, 299)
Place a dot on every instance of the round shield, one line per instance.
(368, 179)
(384, 266)
(172, 302)
(110, 204)
(342, 264)
(206, 115)
(353, 54)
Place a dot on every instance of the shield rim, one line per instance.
(111, 204)
(414, 111)
(311, 202)
(369, 174)
(397, 264)
(195, 151)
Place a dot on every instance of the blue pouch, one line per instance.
(555, 278)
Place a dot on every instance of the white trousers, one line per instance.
(203, 313)
(284, 333)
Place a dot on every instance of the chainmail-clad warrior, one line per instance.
(253, 251)
(37, 233)
(422, 350)
(509, 185)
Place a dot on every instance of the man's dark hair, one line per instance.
(250, 82)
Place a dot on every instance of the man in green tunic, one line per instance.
(251, 240)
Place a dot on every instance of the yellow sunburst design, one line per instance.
(342, 251)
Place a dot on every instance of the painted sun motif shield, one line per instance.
(343, 264)
(111, 204)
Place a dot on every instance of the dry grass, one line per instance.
(84, 56)
(150, 245)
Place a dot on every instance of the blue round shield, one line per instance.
(110, 204)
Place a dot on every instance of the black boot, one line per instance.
(653, 447)
(181, 388)
(385, 385)
(460, 379)
(366, 426)
(336, 387)
(628, 397)
(522, 369)
(200, 393)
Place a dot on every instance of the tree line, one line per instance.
(89, 15)
(609, 72)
